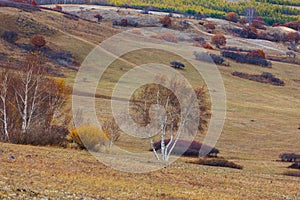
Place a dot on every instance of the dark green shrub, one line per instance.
(10, 36)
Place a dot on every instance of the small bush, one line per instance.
(165, 21)
(218, 39)
(10, 36)
(257, 54)
(232, 16)
(177, 65)
(88, 137)
(217, 162)
(38, 41)
(186, 148)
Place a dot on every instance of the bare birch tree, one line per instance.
(250, 14)
(4, 86)
(169, 118)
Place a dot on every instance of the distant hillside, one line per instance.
(271, 11)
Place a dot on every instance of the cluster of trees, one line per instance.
(267, 9)
(218, 8)
(32, 106)
(281, 2)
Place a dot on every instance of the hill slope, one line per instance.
(261, 123)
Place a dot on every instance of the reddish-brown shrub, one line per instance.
(57, 7)
(293, 37)
(38, 40)
(259, 23)
(210, 26)
(232, 16)
(249, 32)
(207, 46)
(165, 21)
(257, 54)
(218, 39)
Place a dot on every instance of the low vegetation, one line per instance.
(289, 157)
(244, 58)
(217, 162)
(265, 77)
(209, 57)
(187, 148)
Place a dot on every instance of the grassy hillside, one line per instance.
(262, 122)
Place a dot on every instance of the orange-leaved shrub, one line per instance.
(232, 16)
(38, 40)
(258, 53)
